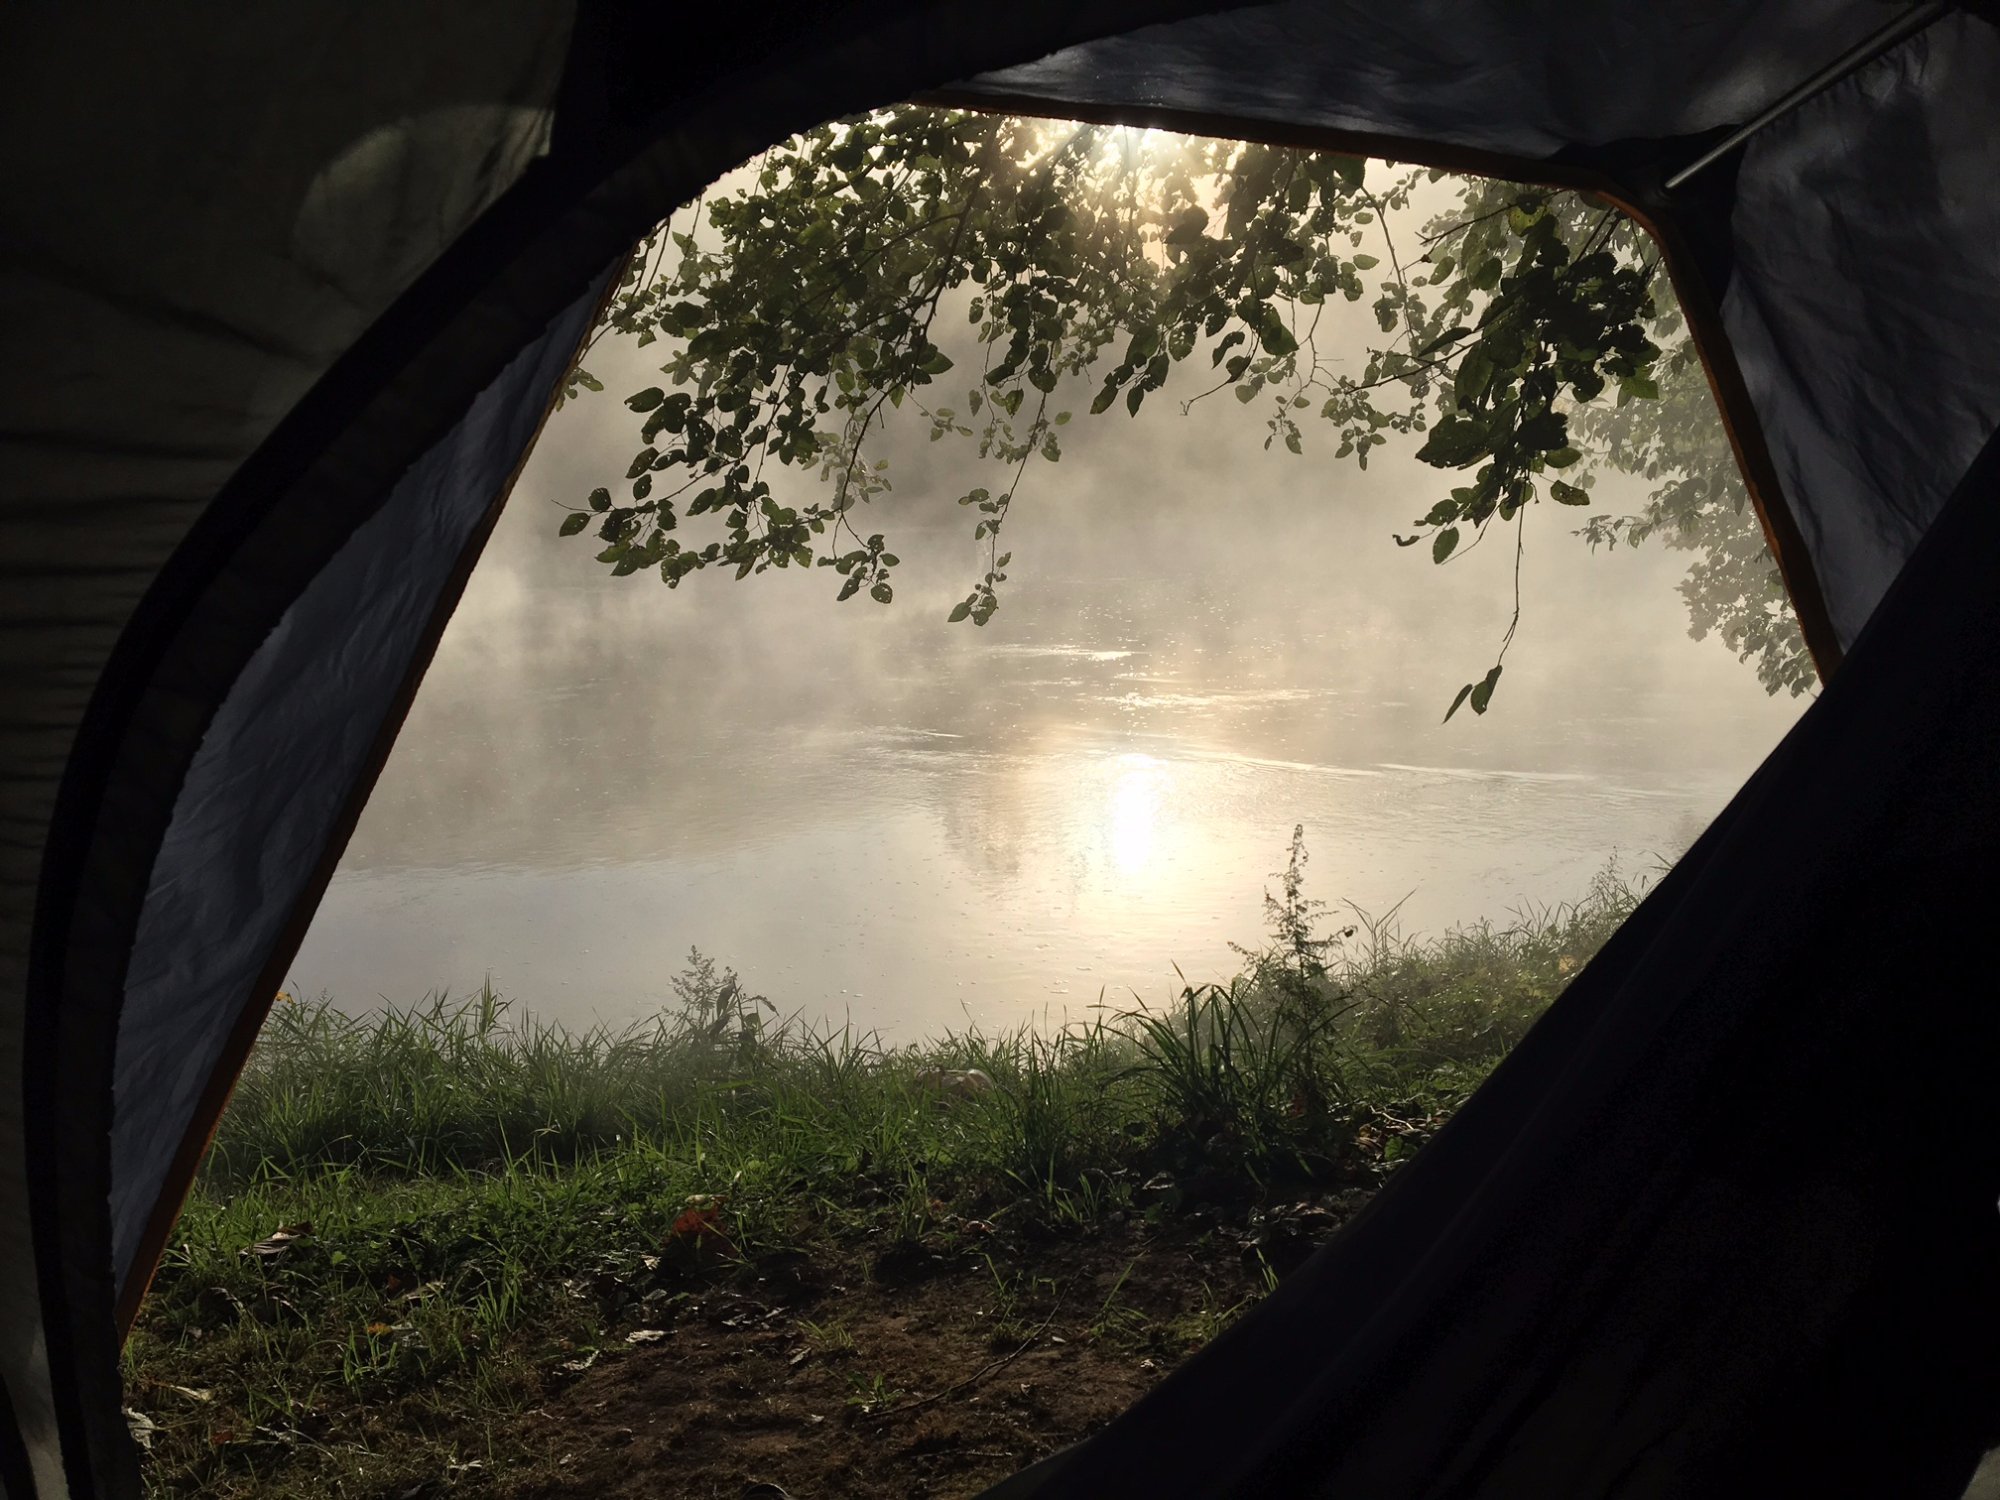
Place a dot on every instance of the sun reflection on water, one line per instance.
(1137, 791)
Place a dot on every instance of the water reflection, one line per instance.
(1140, 783)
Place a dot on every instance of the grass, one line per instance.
(414, 1225)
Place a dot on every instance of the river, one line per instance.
(876, 815)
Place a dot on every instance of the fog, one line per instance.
(871, 812)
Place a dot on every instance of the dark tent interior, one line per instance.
(287, 295)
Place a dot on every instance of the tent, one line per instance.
(286, 292)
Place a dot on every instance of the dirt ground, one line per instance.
(906, 1374)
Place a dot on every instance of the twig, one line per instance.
(1520, 544)
(1395, 264)
(1463, 224)
(986, 1369)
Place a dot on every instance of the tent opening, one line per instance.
(1052, 700)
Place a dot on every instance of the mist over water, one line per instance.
(869, 812)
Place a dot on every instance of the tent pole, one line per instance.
(1854, 58)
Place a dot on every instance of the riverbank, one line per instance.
(453, 1250)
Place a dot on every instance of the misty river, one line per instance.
(870, 813)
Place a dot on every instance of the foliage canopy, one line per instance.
(1527, 338)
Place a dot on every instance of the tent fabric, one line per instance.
(243, 844)
(285, 294)
(187, 251)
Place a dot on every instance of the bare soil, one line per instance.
(909, 1373)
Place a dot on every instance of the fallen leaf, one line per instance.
(279, 1240)
(698, 1230)
(579, 1365)
(645, 1335)
(141, 1427)
(697, 1221)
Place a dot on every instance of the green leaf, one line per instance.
(574, 522)
(647, 399)
(1483, 694)
(1463, 693)
(958, 612)
(1443, 543)
(1366, 262)
(1562, 458)
(1246, 393)
(1567, 494)
(1456, 442)
(1474, 375)
(881, 593)
(600, 499)
(1187, 227)
(1545, 431)
(1449, 336)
